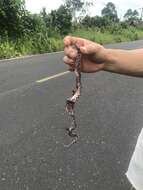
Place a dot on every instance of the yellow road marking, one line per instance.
(52, 77)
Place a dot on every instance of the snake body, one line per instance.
(70, 102)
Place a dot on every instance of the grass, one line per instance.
(21, 47)
(108, 36)
(41, 42)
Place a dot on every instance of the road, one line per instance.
(33, 121)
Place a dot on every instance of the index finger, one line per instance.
(69, 40)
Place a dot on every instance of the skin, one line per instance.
(96, 58)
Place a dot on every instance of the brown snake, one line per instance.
(70, 102)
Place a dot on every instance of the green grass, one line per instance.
(110, 36)
(41, 42)
(30, 46)
(94, 35)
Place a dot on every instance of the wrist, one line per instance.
(110, 60)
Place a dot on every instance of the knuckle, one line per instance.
(68, 60)
(70, 52)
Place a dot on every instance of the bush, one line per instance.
(48, 41)
(39, 43)
(7, 50)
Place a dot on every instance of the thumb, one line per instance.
(89, 49)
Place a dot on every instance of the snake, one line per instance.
(70, 102)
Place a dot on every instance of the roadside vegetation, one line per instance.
(23, 33)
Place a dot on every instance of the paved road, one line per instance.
(33, 122)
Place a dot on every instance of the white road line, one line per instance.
(52, 77)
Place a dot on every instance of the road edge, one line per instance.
(58, 52)
(30, 56)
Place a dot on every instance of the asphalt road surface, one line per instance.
(33, 121)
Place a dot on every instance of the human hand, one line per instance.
(94, 56)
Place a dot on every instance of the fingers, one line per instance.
(90, 49)
(69, 41)
(86, 46)
(70, 52)
(70, 63)
(70, 56)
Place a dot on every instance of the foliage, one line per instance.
(63, 20)
(11, 12)
(106, 37)
(132, 17)
(23, 33)
(28, 46)
(59, 20)
(110, 12)
(77, 6)
(131, 14)
(96, 21)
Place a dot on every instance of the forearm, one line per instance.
(129, 62)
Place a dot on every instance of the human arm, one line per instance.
(129, 62)
(95, 58)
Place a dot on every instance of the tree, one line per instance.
(44, 14)
(132, 17)
(96, 21)
(77, 6)
(11, 12)
(131, 14)
(135, 13)
(63, 19)
(110, 12)
(60, 20)
(87, 21)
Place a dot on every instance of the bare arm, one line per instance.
(95, 58)
(129, 62)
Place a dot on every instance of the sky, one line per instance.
(35, 6)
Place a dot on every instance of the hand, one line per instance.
(94, 56)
